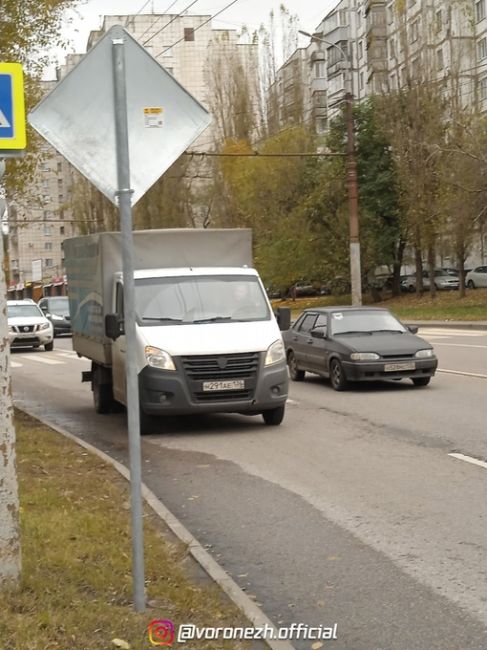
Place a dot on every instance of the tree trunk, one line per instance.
(396, 268)
(431, 270)
(419, 269)
(9, 500)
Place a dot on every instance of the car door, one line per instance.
(481, 277)
(301, 339)
(318, 349)
(119, 353)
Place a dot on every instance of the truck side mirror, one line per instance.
(283, 317)
(113, 326)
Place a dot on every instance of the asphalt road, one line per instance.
(351, 512)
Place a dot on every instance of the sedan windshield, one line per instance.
(200, 299)
(23, 311)
(59, 306)
(364, 322)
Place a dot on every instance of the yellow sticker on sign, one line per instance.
(153, 117)
(12, 107)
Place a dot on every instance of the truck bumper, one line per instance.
(172, 393)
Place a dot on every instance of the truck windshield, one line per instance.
(200, 299)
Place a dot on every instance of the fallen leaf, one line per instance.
(120, 643)
(317, 645)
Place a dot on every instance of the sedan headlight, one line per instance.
(275, 353)
(364, 356)
(44, 326)
(424, 354)
(56, 317)
(158, 358)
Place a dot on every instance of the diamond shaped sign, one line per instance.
(78, 117)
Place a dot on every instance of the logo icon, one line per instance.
(161, 633)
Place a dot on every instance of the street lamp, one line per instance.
(352, 182)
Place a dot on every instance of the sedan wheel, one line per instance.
(337, 376)
(471, 284)
(295, 373)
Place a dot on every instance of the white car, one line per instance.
(27, 326)
(477, 277)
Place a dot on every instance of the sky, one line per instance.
(243, 12)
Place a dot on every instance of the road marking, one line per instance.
(462, 345)
(464, 374)
(292, 401)
(70, 355)
(50, 362)
(469, 459)
(449, 332)
(15, 364)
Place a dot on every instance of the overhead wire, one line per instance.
(170, 22)
(198, 27)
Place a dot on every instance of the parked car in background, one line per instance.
(27, 326)
(477, 277)
(56, 310)
(303, 288)
(350, 344)
(444, 279)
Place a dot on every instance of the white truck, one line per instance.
(207, 338)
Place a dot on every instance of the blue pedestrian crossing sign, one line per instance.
(12, 109)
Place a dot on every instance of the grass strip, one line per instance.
(446, 306)
(76, 581)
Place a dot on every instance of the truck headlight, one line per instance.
(424, 354)
(275, 353)
(158, 358)
(44, 326)
(364, 356)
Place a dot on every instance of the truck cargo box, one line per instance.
(92, 260)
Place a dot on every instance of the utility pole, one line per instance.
(352, 179)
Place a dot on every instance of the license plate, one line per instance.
(231, 384)
(399, 367)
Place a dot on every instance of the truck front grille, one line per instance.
(221, 367)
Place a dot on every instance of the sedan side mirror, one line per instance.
(113, 326)
(413, 329)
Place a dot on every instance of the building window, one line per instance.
(360, 50)
(414, 34)
(439, 59)
(439, 21)
(321, 124)
(483, 88)
(482, 48)
(189, 33)
(48, 262)
(320, 69)
(480, 10)
(61, 230)
(361, 80)
(59, 167)
(47, 230)
(48, 246)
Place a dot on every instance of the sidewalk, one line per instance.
(453, 324)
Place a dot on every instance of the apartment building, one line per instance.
(39, 221)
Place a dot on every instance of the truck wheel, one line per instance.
(48, 347)
(273, 417)
(102, 393)
(146, 423)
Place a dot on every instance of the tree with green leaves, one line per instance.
(28, 28)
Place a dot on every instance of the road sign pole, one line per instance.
(124, 194)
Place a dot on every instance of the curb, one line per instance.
(246, 605)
